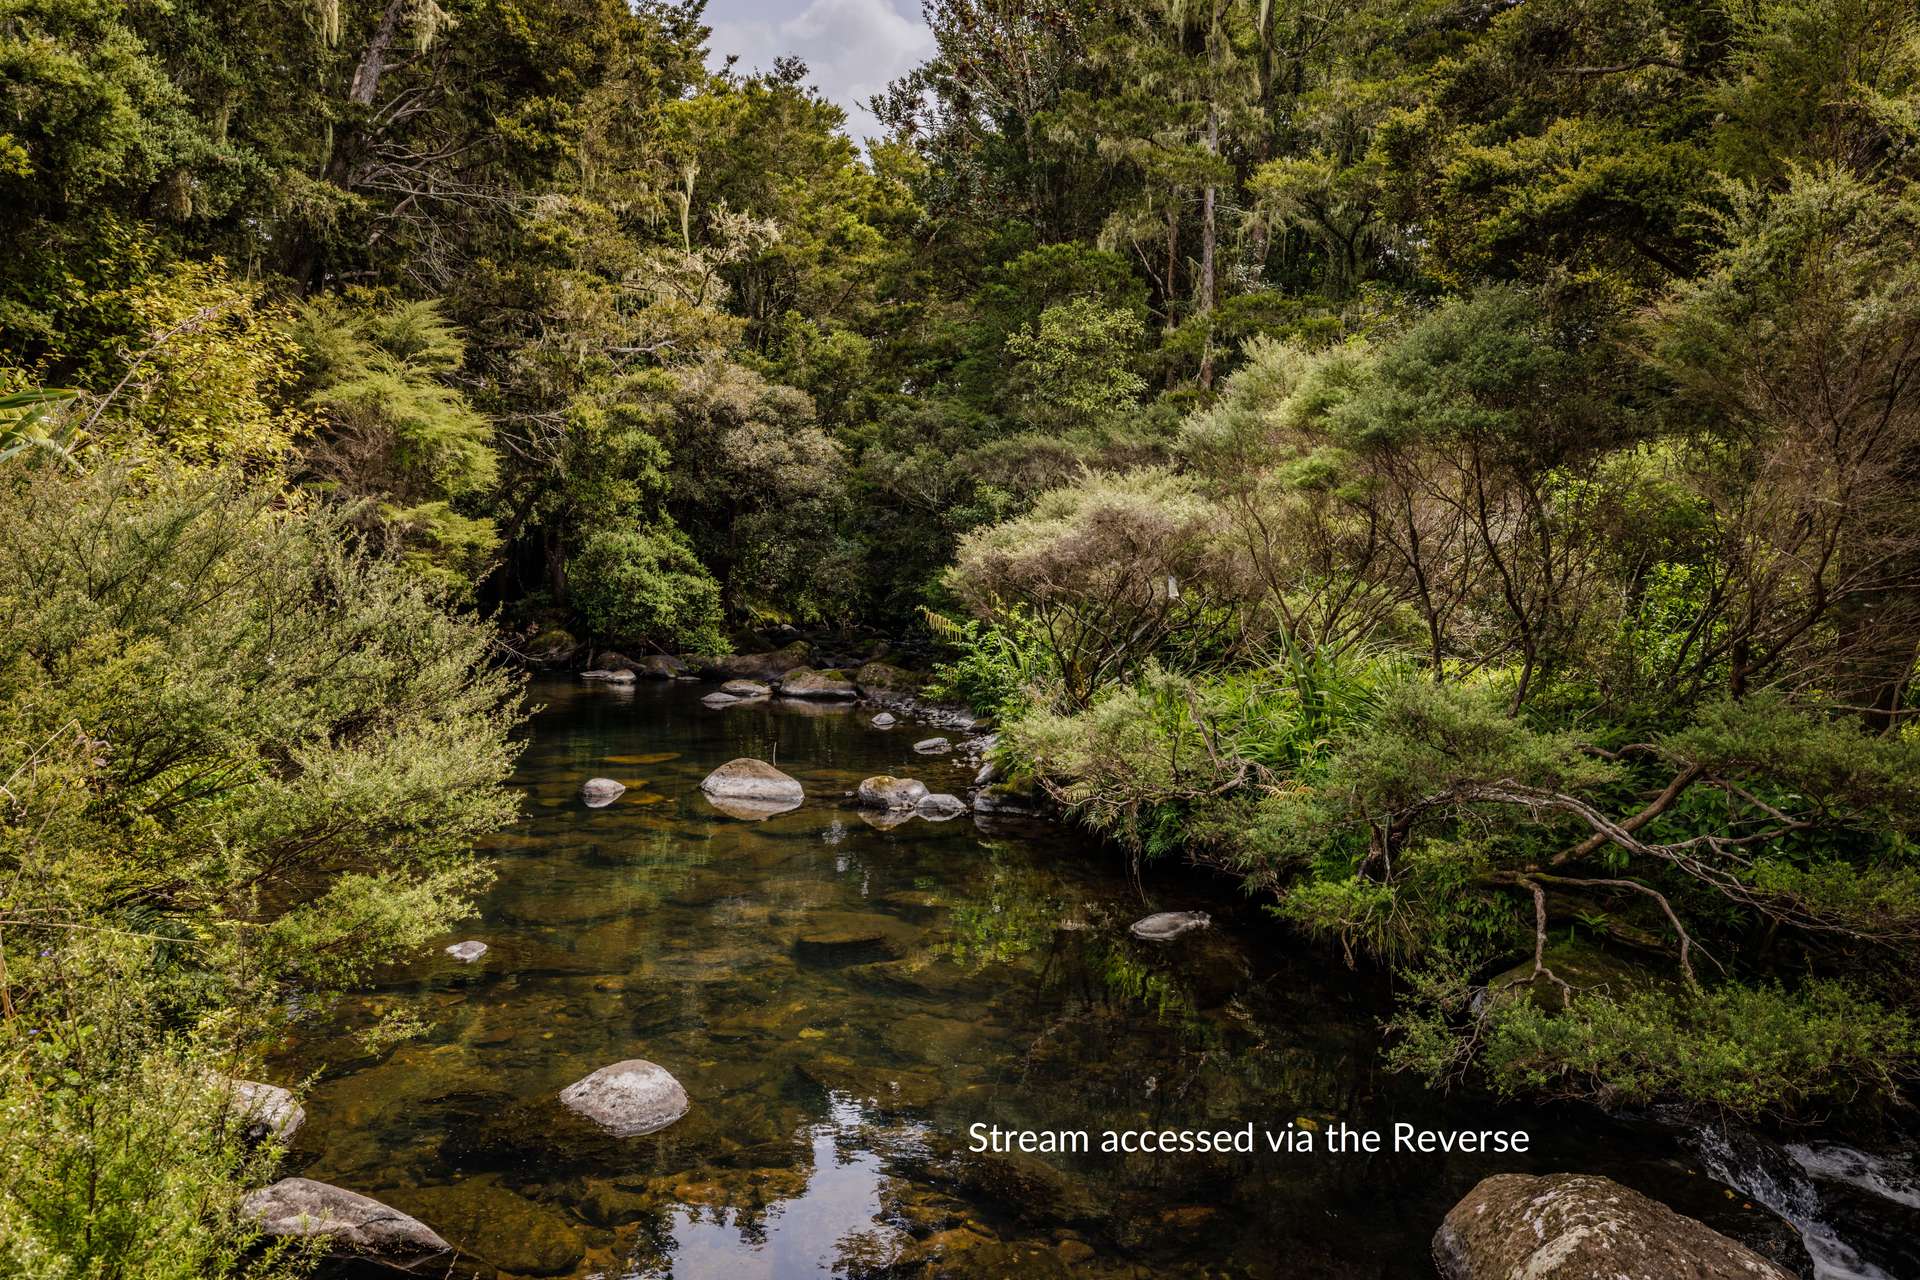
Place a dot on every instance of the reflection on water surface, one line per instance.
(842, 1001)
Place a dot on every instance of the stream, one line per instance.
(843, 999)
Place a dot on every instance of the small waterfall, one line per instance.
(1783, 1182)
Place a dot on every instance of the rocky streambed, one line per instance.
(842, 986)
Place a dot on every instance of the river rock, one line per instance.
(750, 779)
(1571, 1226)
(266, 1112)
(884, 720)
(826, 685)
(467, 952)
(620, 675)
(717, 700)
(596, 674)
(933, 746)
(757, 666)
(629, 1098)
(352, 1225)
(598, 793)
(876, 678)
(887, 792)
(745, 689)
(660, 666)
(940, 807)
(1168, 925)
(1003, 799)
(988, 773)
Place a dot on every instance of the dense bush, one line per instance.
(638, 587)
(242, 761)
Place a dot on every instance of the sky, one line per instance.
(852, 48)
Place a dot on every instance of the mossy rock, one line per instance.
(1587, 967)
(884, 677)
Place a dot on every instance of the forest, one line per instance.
(1451, 470)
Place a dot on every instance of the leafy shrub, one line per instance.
(242, 760)
(645, 586)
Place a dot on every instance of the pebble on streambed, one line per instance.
(630, 1098)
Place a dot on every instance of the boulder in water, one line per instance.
(750, 779)
(933, 746)
(1004, 799)
(887, 792)
(826, 685)
(467, 952)
(1572, 1226)
(629, 1098)
(940, 807)
(884, 720)
(266, 1112)
(757, 666)
(1168, 925)
(351, 1225)
(660, 666)
(717, 700)
(745, 689)
(598, 793)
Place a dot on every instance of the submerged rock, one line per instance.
(629, 1098)
(933, 746)
(888, 792)
(265, 1112)
(502, 1227)
(808, 683)
(598, 793)
(745, 689)
(467, 952)
(1168, 925)
(352, 1225)
(940, 807)
(1572, 1226)
(884, 720)
(750, 779)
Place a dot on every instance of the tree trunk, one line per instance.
(1209, 238)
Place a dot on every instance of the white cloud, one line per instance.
(852, 48)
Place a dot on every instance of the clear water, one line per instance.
(841, 1003)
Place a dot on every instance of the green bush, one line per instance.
(242, 762)
(645, 586)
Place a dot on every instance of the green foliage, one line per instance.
(242, 760)
(389, 430)
(1072, 372)
(638, 587)
(1751, 1052)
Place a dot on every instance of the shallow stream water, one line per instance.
(843, 1001)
